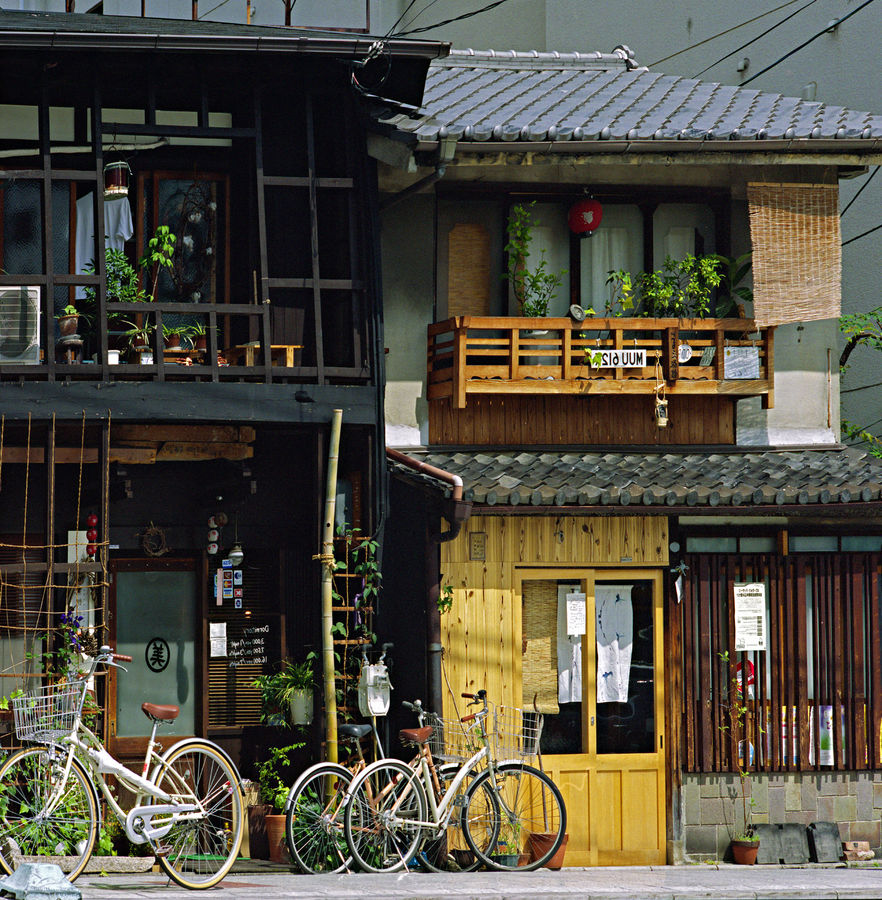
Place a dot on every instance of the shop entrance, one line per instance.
(154, 616)
(593, 664)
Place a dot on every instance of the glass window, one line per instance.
(859, 543)
(810, 544)
(617, 244)
(757, 544)
(711, 544)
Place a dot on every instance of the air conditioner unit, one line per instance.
(20, 325)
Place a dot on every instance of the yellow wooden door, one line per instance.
(604, 747)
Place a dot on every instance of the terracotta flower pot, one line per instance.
(275, 835)
(67, 325)
(539, 845)
(744, 852)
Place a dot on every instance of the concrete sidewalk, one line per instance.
(655, 882)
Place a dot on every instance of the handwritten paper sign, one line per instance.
(576, 613)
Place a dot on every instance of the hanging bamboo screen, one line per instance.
(797, 254)
(468, 271)
(540, 646)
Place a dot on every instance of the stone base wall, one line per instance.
(712, 811)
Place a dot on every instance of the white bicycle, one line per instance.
(188, 809)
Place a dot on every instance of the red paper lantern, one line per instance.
(91, 549)
(92, 520)
(585, 216)
(91, 535)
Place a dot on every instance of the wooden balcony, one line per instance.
(513, 355)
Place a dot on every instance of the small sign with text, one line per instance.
(617, 359)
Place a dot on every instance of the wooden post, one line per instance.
(327, 559)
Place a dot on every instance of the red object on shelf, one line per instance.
(585, 216)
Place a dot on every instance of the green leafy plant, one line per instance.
(445, 598)
(732, 290)
(533, 288)
(69, 310)
(272, 775)
(277, 688)
(680, 289)
(160, 250)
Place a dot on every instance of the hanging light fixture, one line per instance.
(236, 554)
(116, 180)
(585, 216)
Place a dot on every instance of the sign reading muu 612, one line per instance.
(617, 359)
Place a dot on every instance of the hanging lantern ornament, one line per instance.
(92, 520)
(116, 180)
(585, 216)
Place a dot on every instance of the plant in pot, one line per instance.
(68, 320)
(198, 335)
(744, 843)
(173, 335)
(272, 777)
(533, 287)
(286, 694)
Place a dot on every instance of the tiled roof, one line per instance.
(492, 96)
(657, 479)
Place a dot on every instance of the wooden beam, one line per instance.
(186, 451)
(227, 434)
(71, 455)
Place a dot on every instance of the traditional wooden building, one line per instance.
(131, 468)
(636, 573)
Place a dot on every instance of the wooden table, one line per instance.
(280, 354)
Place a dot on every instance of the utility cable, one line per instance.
(862, 387)
(860, 189)
(762, 34)
(213, 8)
(805, 44)
(469, 15)
(720, 34)
(401, 17)
(857, 237)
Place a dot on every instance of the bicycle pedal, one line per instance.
(161, 851)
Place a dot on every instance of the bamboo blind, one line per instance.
(539, 667)
(797, 253)
(823, 653)
(468, 270)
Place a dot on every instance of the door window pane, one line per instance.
(625, 667)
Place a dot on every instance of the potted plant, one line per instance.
(198, 335)
(273, 791)
(172, 335)
(286, 695)
(533, 287)
(68, 321)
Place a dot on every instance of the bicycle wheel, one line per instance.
(314, 820)
(201, 846)
(382, 822)
(42, 814)
(527, 802)
(449, 852)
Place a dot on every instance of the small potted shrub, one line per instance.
(274, 787)
(68, 321)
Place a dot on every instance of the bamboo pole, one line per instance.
(327, 558)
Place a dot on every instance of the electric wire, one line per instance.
(805, 44)
(860, 190)
(862, 387)
(459, 18)
(213, 8)
(857, 237)
(401, 17)
(720, 34)
(762, 34)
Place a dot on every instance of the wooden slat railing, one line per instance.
(510, 354)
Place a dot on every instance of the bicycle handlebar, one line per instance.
(121, 657)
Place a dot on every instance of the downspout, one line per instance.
(457, 515)
(415, 188)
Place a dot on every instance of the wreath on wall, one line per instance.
(153, 541)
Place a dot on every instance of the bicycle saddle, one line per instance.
(354, 731)
(160, 713)
(415, 735)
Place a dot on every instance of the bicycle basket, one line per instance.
(47, 713)
(516, 732)
(451, 741)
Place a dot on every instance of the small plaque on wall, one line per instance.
(478, 545)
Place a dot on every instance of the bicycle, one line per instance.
(391, 806)
(188, 810)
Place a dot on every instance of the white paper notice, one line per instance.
(750, 616)
(576, 613)
(217, 634)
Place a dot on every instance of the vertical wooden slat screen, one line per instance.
(824, 651)
(468, 270)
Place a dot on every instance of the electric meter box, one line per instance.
(374, 690)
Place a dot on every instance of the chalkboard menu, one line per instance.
(244, 641)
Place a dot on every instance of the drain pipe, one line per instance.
(457, 515)
(415, 188)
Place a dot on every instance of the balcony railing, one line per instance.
(254, 356)
(512, 355)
